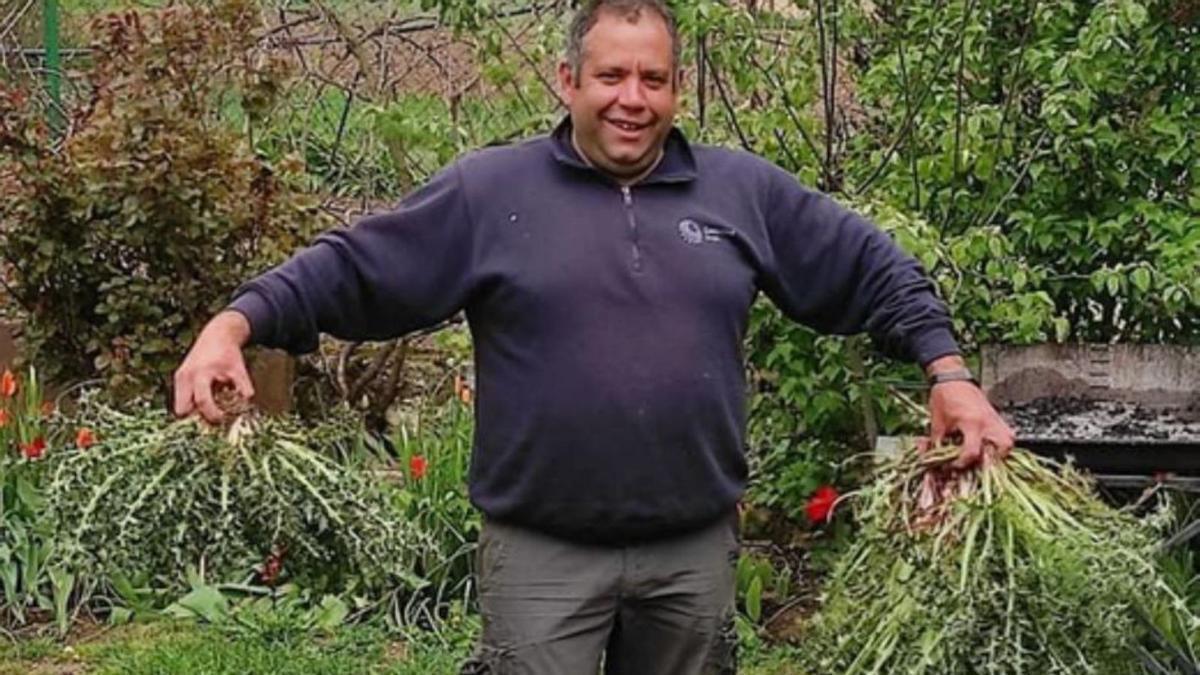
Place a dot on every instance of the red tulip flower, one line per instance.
(462, 389)
(272, 567)
(820, 504)
(3, 418)
(8, 384)
(34, 449)
(85, 438)
(417, 466)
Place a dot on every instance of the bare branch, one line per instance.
(344, 355)
(831, 125)
(354, 44)
(906, 85)
(907, 126)
(789, 108)
(364, 380)
(729, 109)
(1024, 171)
(787, 150)
(395, 384)
(701, 57)
(958, 104)
(532, 65)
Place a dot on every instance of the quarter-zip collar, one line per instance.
(676, 166)
(624, 183)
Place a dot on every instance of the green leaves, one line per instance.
(330, 613)
(1141, 279)
(754, 599)
(435, 447)
(206, 603)
(756, 579)
(1047, 181)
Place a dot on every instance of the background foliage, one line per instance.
(1039, 158)
(121, 242)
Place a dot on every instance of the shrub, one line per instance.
(120, 244)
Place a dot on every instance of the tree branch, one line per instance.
(394, 383)
(701, 51)
(789, 109)
(1037, 146)
(958, 104)
(906, 128)
(787, 150)
(532, 66)
(355, 45)
(826, 95)
(377, 364)
(912, 148)
(344, 355)
(728, 105)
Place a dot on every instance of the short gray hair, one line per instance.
(586, 17)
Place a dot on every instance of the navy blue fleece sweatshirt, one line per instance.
(607, 322)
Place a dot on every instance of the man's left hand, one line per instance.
(961, 408)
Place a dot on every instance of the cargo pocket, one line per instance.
(722, 653)
(490, 553)
(489, 660)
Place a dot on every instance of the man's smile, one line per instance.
(627, 126)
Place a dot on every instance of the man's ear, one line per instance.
(680, 74)
(566, 82)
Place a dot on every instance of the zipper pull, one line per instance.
(627, 195)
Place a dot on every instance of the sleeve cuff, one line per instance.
(257, 311)
(933, 345)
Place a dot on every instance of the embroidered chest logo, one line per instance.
(694, 233)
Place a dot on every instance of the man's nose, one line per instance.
(631, 94)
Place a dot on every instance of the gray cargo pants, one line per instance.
(554, 607)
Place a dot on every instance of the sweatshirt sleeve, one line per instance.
(387, 275)
(834, 271)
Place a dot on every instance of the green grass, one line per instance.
(163, 647)
(37, 649)
(169, 648)
(210, 651)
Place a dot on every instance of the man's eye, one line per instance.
(609, 77)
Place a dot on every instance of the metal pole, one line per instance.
(53, 62)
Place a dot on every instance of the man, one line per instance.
(607, 271)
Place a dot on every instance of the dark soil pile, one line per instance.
(1082, 419)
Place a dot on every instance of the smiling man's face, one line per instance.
(624, 100)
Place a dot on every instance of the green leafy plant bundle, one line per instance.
(261, 501)
(1011, 568)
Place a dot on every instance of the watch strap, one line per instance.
(958, 375)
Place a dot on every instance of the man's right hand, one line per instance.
(215, 358)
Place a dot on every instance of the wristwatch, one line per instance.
(959, 375)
